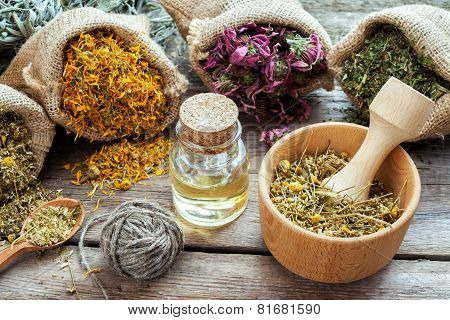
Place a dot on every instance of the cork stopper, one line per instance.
(208, 119)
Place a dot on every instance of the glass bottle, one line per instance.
(209, 162)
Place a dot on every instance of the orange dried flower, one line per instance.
(120, 165)
(110, 87)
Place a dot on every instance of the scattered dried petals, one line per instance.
(121, 165)
(273, 135)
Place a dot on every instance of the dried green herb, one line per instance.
(19, 19)
(51, 225)
(298, 194)
(387, 53)
(17, 161)
(115, 6)
(14, 213)
(162, 25)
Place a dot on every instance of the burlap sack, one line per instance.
(202, 21)
(41, 127)
(38, 66)
(428, 30)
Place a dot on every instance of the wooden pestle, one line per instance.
(398, 113)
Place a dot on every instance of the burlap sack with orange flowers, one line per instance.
(203, 21)
(428, 30)
(38, 67)
(36, 120)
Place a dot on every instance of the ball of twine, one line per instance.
(140, 240)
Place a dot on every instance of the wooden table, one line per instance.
(233, 262)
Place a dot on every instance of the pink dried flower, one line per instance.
(262, 68)
(273, 135)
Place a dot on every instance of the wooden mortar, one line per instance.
(324, 258)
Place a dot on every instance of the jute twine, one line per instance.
(38, 66)
(140, 240)
(428, 30)
(36, 120)
(203, 21)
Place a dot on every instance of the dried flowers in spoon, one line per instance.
(298, 194)
(263, 67)
(14, 213)
(51, 225)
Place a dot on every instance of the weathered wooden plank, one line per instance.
(427, 237)
(432, 157)
(220, 276)
(339, 17)
(363, 5)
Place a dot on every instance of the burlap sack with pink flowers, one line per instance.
(36, 120)
(428, 30)
(38, 67)
(201, 22)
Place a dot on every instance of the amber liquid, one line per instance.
(213, 200)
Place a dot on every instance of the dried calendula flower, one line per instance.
(51, 225)
(120, 165)
(110, 87)
(298, 194)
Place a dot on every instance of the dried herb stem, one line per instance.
(72, 278)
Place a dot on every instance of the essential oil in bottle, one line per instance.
(209, 162)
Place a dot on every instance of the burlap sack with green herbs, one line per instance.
(38, 67)
(201, 22)
(36, 120)
(428, 31)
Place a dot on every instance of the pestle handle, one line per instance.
(398, 113)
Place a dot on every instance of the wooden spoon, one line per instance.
(398, 113)
(8, 255)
